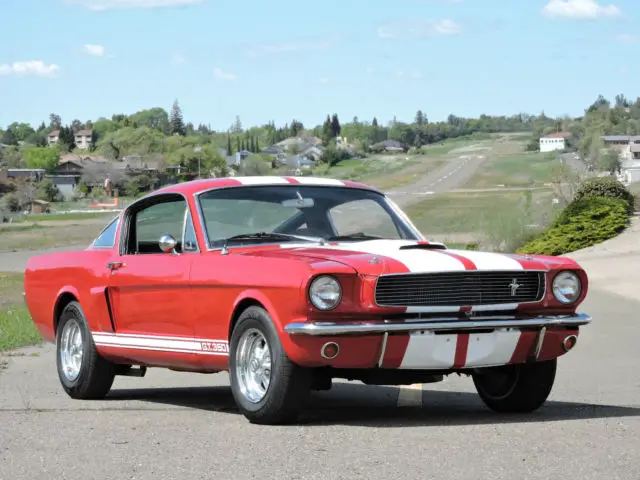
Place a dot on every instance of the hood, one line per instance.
(402, 256)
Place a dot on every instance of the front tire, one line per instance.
(267, 386)
(83, 373)
(521, 388)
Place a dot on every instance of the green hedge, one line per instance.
(586, 221)
(605, 187)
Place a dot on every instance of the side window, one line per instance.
(363, 216)
(190, 240)
(107, 237)
(151, 223)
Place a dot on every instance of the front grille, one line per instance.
(459, 288)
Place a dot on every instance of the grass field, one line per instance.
(494, 220)
(32, 237)
(516, 170)
(16, 328)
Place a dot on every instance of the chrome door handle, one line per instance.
(115, 265)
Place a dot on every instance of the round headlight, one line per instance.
(325, 293)
(566, 287)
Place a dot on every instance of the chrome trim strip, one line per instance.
(383, 350)
(435, 325)
(540, 341)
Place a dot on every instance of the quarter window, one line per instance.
(107, 237)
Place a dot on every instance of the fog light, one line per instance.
(569, 342)
(330, 350)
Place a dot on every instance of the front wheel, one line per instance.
(266, 385)
(521, 388)
(83, 373)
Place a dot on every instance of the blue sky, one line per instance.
(284, 59)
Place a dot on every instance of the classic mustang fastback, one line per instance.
(288, 283)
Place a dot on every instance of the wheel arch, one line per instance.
(252, 298)
(64, 298)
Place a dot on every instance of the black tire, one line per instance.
(289, 384)
(521, 388)
(96, 374)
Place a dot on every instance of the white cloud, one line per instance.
(627, 38)
(323, 80)
(579, 9)
(371, 70)
(101, 5)
(32, 67)
(178, 58)
(294, 47)
(220, 75)
(420, 28)
(96, 50)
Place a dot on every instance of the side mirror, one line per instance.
(167, 244)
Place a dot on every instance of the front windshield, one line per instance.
(330, 213)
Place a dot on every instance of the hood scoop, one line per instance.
(425, 246)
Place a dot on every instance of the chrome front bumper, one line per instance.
(434, 325)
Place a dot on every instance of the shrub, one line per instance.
(584, 222)
(607, 187)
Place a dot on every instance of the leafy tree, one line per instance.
(176, 121)
(46, 158)
(48, 191)
(55, 121)
(9, 138)
(420, 120)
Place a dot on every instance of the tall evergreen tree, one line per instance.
(229, 149)
(176, 122)
(335, 125)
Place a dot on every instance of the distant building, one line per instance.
(83, 139)
(53, 137)
(554, 141)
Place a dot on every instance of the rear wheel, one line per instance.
(521, 388)
(266, 385)
(83, 373)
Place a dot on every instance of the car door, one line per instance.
(149, 290)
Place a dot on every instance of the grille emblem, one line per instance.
(514, 287)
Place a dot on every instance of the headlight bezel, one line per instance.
(559, 297)
(316, 281)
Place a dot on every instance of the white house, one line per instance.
(554, 141)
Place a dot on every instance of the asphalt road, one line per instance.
(180, 425)
(452, 175)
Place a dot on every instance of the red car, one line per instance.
(288, 283)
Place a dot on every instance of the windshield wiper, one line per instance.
(354, 236)
(271, 236)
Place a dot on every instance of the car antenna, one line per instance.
(225, 250)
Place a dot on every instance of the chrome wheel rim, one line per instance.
(71, 350)
(253, 365)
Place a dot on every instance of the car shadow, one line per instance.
(376, 406)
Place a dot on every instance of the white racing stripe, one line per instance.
(417, 260)
(162, 343)
(489, 261)
(268, 180)
(429, 350)
(318, 181)
(491, 349)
